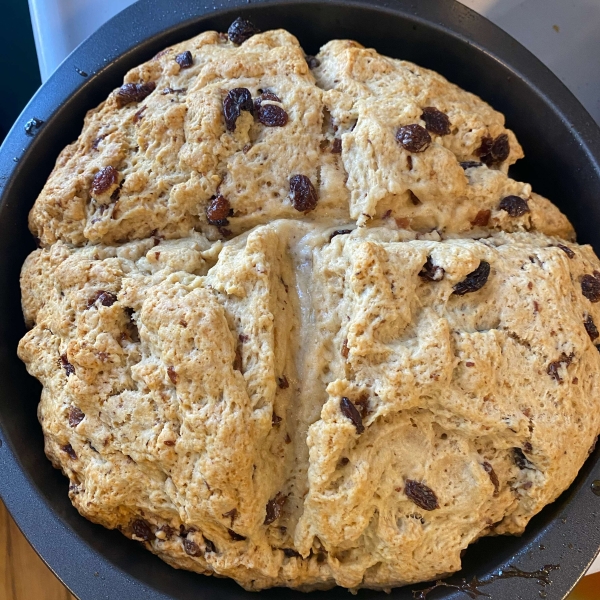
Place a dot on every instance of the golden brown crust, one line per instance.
(344, 395)
(172, 153)
(187, 394)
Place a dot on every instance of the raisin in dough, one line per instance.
(193, 394)
(370, 96)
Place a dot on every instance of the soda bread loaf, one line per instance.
(296, 326)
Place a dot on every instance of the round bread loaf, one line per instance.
(296, 326)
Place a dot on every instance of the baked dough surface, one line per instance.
(349, 395)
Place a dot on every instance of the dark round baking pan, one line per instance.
(562, 147)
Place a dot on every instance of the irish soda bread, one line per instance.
(295, 324)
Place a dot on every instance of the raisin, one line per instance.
(566, 250)
(104, 179)
(191, 548)
(494, 151)
(76, 415)
(231, 514)
(237, 100)
(554, 366)
(184, 60)
(275, 420)
(237, 361)
(283, 383)
(591, 328)
(272, 115)
(167, 530)
(552, 370)
(105, 298)
(67, 366)
(515, 206)
(336, 147)
(423, 496)
(169, 443)
(343, 461)
(413, 138)
(243, 338)
(290, 553)
(209, 546)
(473, 281)
(485, 149)
(139, 115)
(339, 232)
(345, 349)
(268, 95)
(172, 375)
(350, 412)
(134, 92)
(493, 477)
(590, 287)
(470, 164)
(302, 193)
(68, 449)
(414, 198)
(527, 447)
(362, 405)
(521, 460)
(482, 218)
(241, 30)
(265, 96)
(312, 61)
(218, 211)
(501, 148)
(431, 272)
(273, 509)
(436, 121)
(97, 141)
(142, 530)
(236, 537)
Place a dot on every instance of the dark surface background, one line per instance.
(19, 72)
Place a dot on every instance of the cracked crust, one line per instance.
(171, 152)
(196, 406)
(307, 404)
